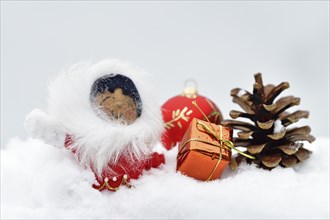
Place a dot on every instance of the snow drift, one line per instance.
(41, 181)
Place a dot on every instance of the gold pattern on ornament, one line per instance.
(215, 113)
(176, 116)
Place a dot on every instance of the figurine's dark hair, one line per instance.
(112, 81)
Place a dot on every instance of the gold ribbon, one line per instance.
(222, 143)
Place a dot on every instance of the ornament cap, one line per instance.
(190, 91)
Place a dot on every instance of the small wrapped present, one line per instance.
(205, 150)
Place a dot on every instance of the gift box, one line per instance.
(205, 150)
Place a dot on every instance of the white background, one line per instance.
(220, 44)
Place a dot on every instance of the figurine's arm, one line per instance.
(42, 126)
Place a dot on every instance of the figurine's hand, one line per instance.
(42, 126)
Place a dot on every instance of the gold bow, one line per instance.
(222, 143)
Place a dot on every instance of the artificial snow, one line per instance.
(278, 127)
(241, 92)
(41, 181)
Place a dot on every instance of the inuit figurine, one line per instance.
(106, 115)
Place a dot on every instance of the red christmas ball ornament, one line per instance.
(179, 111)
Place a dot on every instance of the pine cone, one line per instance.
(268, 139)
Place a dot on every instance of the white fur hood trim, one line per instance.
(97, 141)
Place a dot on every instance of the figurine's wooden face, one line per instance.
(117, 106)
